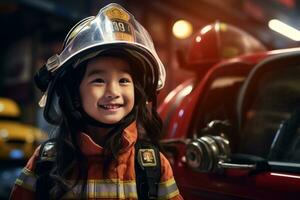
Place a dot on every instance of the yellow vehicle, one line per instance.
(17, 140)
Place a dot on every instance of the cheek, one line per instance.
(92, 94)
(86, 94)
(131, 96)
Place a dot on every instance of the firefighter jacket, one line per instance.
(121, 183)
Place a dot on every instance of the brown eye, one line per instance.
(124, 80)
(98, 80)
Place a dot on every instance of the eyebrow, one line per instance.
(95, 71)
(99, 71)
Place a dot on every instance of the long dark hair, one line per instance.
(69, 155)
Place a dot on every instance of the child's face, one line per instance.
(107, 90)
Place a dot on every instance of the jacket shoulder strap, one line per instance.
(147, 169)
(44, 165)
(46, 157)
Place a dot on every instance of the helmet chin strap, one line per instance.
(116, 128)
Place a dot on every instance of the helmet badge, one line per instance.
(120, 23)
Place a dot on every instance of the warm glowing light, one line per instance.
(182, 29)
(206, 29)
(284, 29)
(198, 38)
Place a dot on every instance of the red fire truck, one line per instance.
(234, 132)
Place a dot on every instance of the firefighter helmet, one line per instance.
(113, 28)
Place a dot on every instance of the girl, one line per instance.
(101, 93)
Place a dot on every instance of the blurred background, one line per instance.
(33, 30)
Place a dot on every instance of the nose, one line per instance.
(112, 91)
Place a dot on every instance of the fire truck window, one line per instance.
(219, 103)
(220, 100)
(276, 98)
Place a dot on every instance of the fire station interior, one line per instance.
(33, 30)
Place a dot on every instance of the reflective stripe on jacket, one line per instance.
(121, 182)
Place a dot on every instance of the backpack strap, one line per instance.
(147, 169)
(44, 165)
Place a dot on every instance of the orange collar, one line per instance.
(90, 148)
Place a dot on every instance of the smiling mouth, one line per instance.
(110, 106)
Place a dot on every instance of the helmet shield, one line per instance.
(112, 28)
